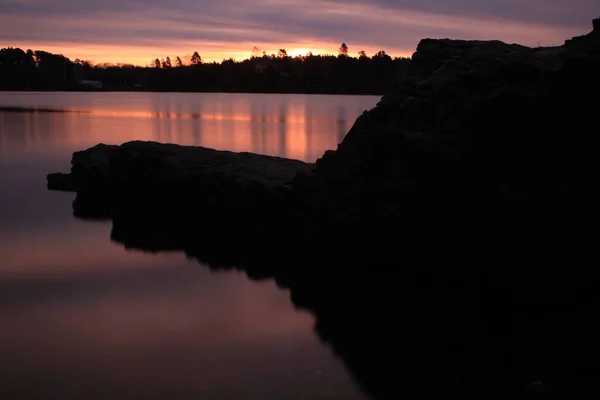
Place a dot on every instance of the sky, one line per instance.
(137, 31)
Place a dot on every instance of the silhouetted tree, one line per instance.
(178, 62)
(382, 54)
(17, 69)
(344, 50)
(256, 52)
(156, 63)
(282, 53)
(108, 65)
(196, 59)
(84, 63)
(30, 58)
(168, 63)
(362, 55)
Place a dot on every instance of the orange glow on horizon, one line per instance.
(143, 56)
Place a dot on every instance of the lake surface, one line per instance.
(82, 317)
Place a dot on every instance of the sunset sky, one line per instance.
(137, 31)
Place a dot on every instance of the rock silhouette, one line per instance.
(486, 148)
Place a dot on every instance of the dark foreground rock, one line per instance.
(487, 148)
(484, 148)
(222, 195)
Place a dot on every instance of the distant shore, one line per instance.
(341, 74)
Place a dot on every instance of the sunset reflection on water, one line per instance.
(293, 126)
(82, 317)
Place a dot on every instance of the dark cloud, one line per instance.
(389, 24)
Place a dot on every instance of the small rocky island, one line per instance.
(483, 148)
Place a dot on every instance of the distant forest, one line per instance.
(261, 73)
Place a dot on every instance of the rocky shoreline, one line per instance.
(219, 193)
(484, 148)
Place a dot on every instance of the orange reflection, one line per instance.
(293, 126)
(83, 317)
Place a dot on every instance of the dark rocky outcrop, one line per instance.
(484, 148)
(589, 43)
(219, 193)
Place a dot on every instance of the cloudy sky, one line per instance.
(138, 30)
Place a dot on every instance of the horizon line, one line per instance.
(212, 57)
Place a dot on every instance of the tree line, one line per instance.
(261, 73)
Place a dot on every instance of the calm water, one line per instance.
(81, 317)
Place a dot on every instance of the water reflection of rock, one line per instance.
(407, 330)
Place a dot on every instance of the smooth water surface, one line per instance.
(82, 317)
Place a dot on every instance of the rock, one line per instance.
(134, 161)
(484, 148)
(473, 153)
(589, 43)
(192, 186)
(64, 182)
